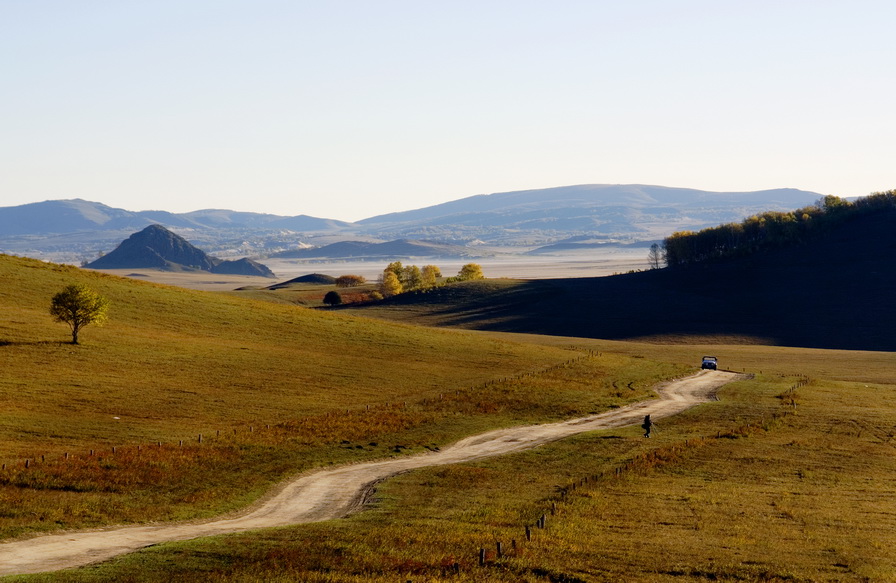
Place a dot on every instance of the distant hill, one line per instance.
(156, 247)
(71, 230)
(77, 215)
(834, 291)
(366, 250)
(313, 278)
(589, 208)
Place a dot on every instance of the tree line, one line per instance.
(398, 278)
(770, 229)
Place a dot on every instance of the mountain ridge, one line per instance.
(75, 229)
(156, 247)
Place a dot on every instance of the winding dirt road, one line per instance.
(336, 492)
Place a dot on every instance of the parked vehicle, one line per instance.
(710, 362)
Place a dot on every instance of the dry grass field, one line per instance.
(790, 476)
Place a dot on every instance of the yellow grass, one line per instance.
(749, 488)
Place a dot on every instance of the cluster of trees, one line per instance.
(767, 230)
(398, 278)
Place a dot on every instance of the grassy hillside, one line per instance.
(273, 389)
(788, 478)
(833, 292)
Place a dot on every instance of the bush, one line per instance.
(332, 298)
(350, 280)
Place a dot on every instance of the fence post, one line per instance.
(481, 557)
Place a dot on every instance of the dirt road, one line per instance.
(335, 492)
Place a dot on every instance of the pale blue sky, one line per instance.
(348, 109)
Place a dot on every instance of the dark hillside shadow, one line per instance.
(835, 292)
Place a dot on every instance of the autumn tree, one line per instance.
(430, 275)
(77, 305)
(470, 271)
(390, 285)
(411, 278)
(350, 281)
(395, 267)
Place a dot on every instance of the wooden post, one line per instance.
(500, 550)
(200, 438)
(553, 508)
(27, 463)
(528, 533)
(481, 557)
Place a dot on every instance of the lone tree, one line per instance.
(77, 305)
(654, 256)
(332, 298)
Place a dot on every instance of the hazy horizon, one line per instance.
(352, 109)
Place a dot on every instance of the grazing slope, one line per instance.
(832, 292)
(158, 248)
(273, 388)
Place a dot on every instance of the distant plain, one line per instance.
(591, 263)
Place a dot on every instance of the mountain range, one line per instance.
(77, 230)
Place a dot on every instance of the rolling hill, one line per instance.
(835, 291)
(268, 385)
(623, 210)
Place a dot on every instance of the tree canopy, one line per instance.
(769, 229)
(77, 305)
(470, 271)
(332, 298)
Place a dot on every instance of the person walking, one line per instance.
(647, 425)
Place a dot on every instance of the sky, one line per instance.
(347, 109)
